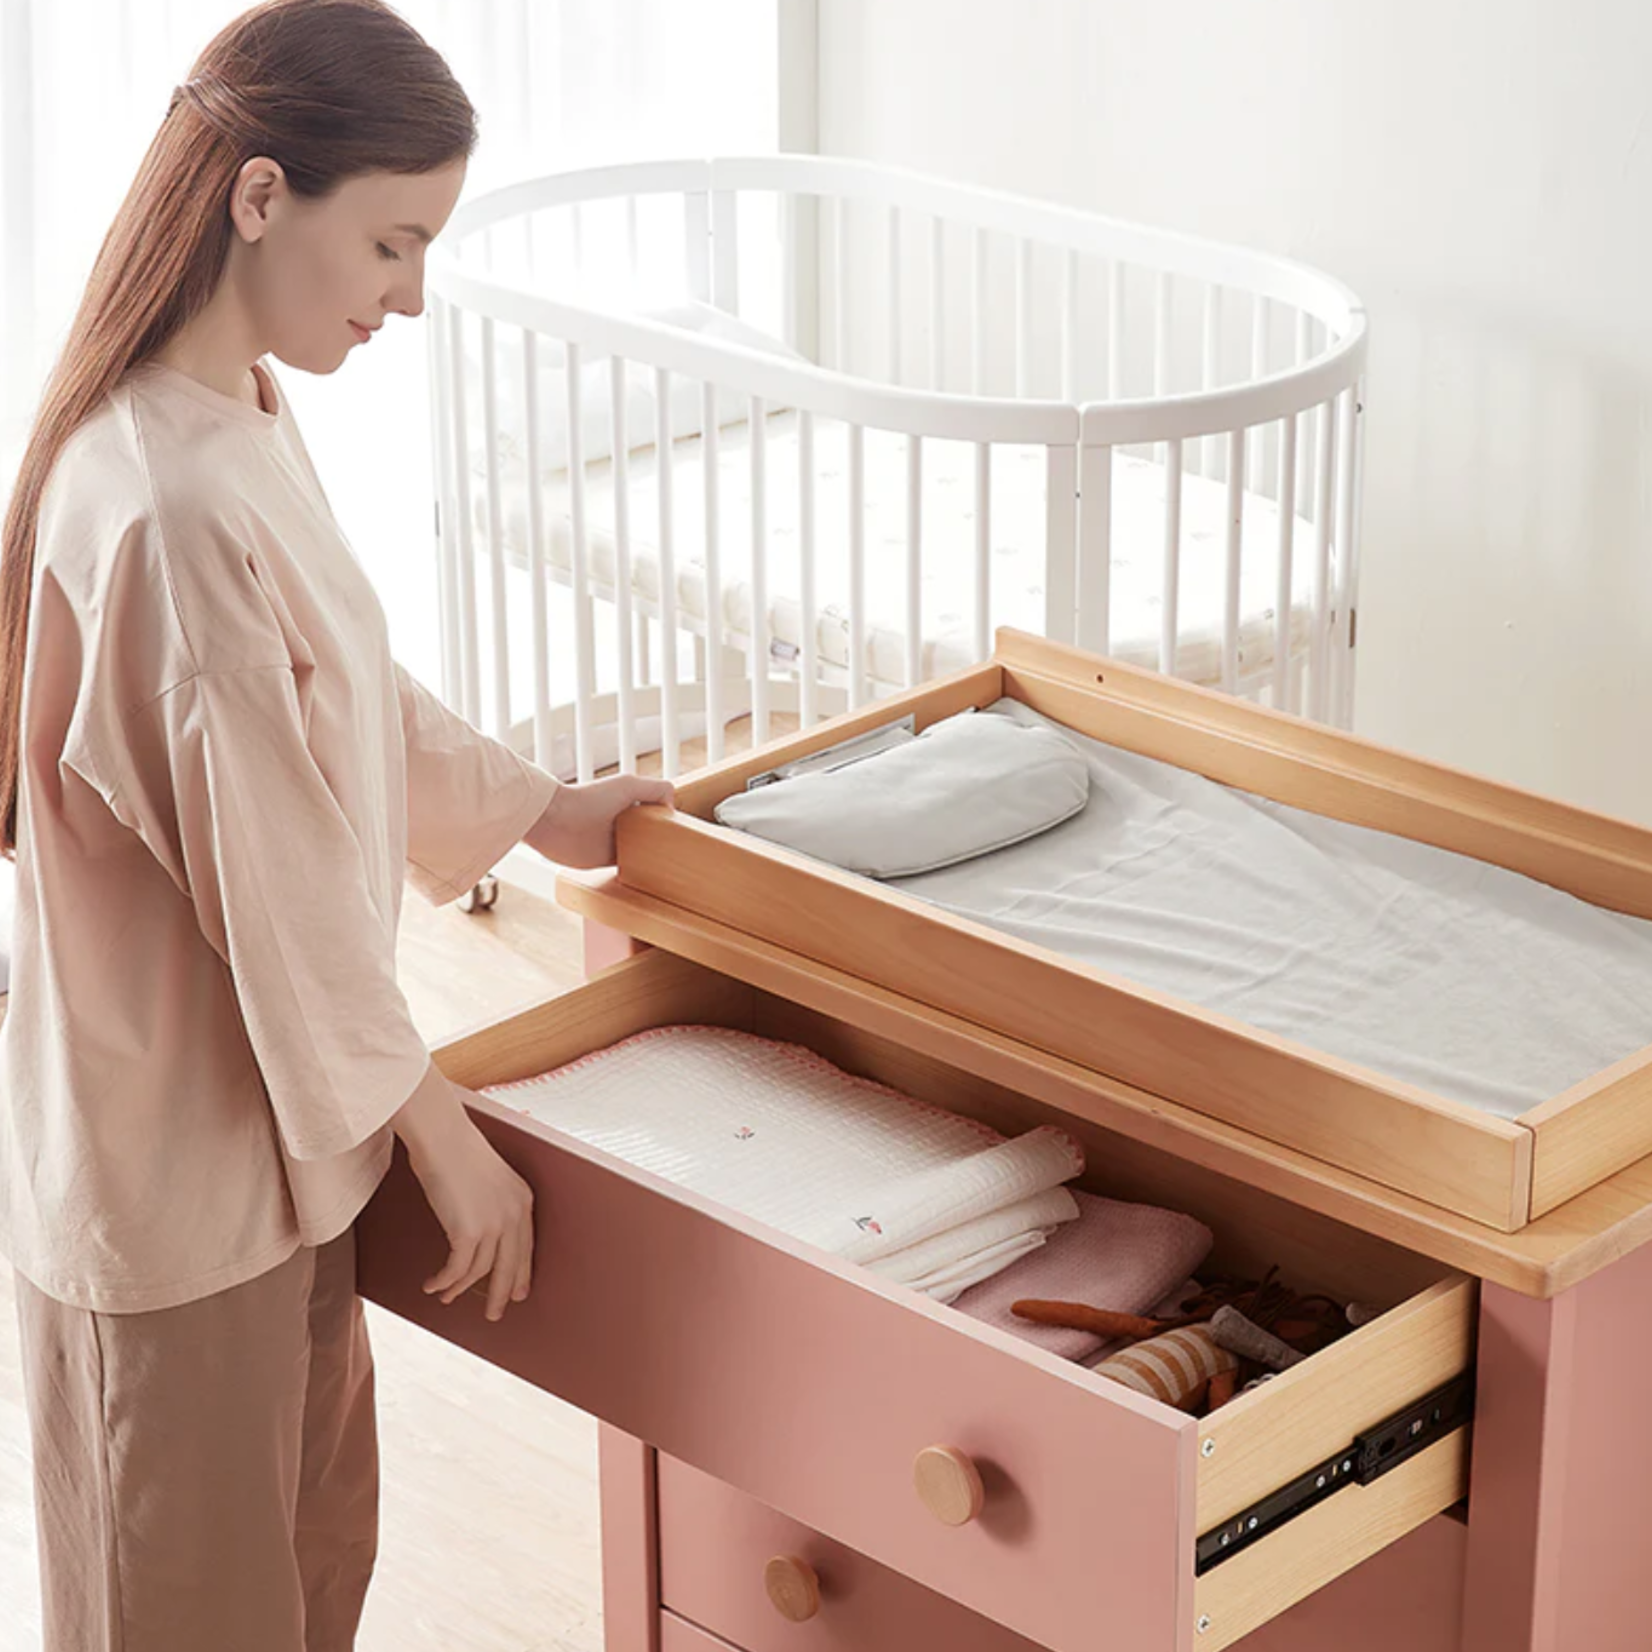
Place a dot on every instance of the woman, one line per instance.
(213, 780)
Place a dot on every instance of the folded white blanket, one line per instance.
(922, 1196)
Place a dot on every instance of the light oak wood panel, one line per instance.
(1259, 1440)
(1585, 1133)
(1321, 1545)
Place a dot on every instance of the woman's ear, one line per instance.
(258, 186)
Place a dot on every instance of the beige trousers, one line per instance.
(206, 1476)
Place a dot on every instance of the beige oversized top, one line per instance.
(225, 777)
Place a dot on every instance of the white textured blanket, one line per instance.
(922, 1196)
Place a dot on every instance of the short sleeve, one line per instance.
(469, 798)
(224, 789)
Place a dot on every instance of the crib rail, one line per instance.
(874, 375)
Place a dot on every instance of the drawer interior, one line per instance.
(1214, 1470)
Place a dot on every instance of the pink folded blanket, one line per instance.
(1120, 1256)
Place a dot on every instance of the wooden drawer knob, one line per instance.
(949, 1484)
(792, 1587)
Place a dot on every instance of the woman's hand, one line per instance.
(485, 1208)
(577, 827)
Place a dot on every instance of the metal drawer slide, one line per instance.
(1372, 1455)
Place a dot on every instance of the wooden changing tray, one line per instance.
(1499, 1172)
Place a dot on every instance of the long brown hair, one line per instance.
(330, 89)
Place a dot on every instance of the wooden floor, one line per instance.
(489, 1511)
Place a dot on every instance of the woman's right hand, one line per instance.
(485, 1208)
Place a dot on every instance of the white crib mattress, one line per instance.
(1469, 980)
(1017, 557)
(925, 1197)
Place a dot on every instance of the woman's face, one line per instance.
(310, 274)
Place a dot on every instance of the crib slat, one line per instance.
(809, 681)
(1212, 371)
(1309, 428)
(670, 730)
(1023, 315)
(1235, 532)
(894, 279)
(622, 566)
(1069, 326)
(714, 577)
(1060, 542)
(937, 304)
(791, 326)
(857, 566)
(759, 572)
(725, 251)
(496, 537)
(1095, 548)
(983, 550)
(1258, 371)
(1284, 602)
(543, 730)
(1341, 662)
(470, 677)
(914, 559)
(978, 313)
(840, 281)
(584, 627)
(1161, 333)
(441, 441)
(1169, 621)
(1115, 330)
(1319, 699)
(1345, 716)
(697, 245)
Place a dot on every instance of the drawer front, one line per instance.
(679, 1635)
(812, 1385)
(715, 1544)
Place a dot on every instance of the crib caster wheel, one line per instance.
(481, 895)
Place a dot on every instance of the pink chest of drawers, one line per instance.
(765, 1402)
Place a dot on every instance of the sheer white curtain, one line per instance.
(557, 83)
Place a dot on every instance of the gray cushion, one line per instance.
(964, 787)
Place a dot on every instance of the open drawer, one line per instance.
(1502, 1172)
(813, 1385)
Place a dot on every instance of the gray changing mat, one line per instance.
(1468, 980)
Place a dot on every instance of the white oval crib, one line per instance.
(780, 434)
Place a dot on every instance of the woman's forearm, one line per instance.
(429, 1115)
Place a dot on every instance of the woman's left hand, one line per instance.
(577, 827)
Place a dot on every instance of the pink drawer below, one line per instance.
(678, 1635)
(714, 1544)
